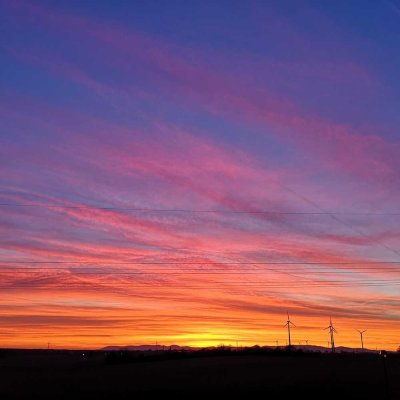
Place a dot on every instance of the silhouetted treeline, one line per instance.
(138, 356)
(121, 357)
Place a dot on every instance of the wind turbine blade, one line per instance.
(293, 324)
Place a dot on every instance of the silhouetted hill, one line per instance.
(148, 347)
(159, 347)
(339, 349)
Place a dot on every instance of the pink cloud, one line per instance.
(175, 167)
(338, 146)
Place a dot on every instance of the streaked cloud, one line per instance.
(151, 189)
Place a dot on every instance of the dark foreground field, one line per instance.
(72, 375)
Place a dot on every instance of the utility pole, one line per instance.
(332, 330)
(288, 323)
(362, 339)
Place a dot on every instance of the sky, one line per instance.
(189, 172)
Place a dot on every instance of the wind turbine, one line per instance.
(361, 336)
(332, 330)
(288, 323)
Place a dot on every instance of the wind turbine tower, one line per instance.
(361, 336)
(288, 323)
(332, 330)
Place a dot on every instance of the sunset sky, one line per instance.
(186, 172)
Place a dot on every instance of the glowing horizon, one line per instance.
(189, 183)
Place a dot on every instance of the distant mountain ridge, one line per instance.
(149, 347)
(174, 347)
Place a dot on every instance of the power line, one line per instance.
(183, 272)
(132, 287)
(209, 285)
(309, 274)
(241, 287)
(97, 270)
(177, 210)
(166, 273)
(344, 223)
(201, 262)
